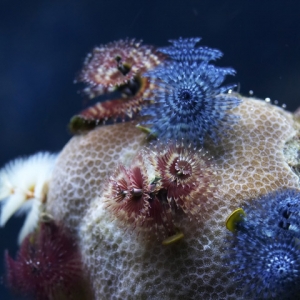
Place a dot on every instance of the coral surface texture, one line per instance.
(249, 162)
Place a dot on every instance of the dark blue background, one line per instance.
(43, 44)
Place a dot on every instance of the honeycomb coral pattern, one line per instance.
(250, 158)
(83, 166)
(124, 266)
(120, 263)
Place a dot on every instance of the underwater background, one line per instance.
(43, 44)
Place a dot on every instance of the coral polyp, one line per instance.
(137, 201)
(118, 67)
(189, 101)
(115, 64)
(48, 266)
(119, 108)
(128, 194)
(119, 186)
(184, 49)
(278, 213)
(181, 182)
(123, 109)
(263, 251)
(187, 175)
(267, 268)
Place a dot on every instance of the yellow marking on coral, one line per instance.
(144, 129)
(234, 218)
(173, 239)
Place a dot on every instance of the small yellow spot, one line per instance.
(173, 239)
(144, 129)
(151, 134)
(234, 218)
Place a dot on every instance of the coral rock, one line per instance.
(250, 162)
